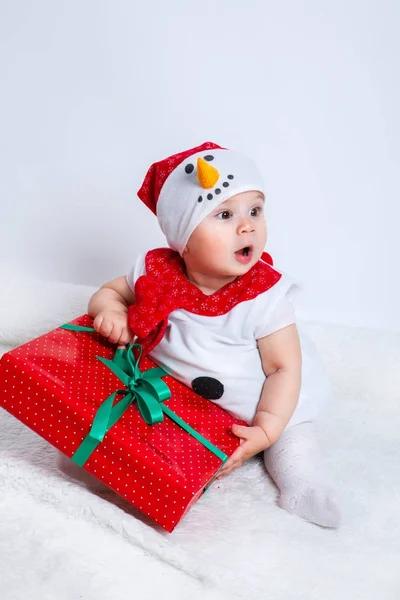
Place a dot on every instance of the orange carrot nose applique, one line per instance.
(206, 174)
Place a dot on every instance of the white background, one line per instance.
(92, 92)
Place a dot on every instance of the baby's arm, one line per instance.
(109, 309)
(281, 360)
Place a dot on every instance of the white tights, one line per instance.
(293, 464)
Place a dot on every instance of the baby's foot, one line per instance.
(312, 503)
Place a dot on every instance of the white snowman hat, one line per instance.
(184, 188)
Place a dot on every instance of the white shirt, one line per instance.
(223, 351)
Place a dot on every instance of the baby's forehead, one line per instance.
(249, 196)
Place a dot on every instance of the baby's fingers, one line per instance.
(125, 337)
(240, 431)
(227, 470)
(232, 463)
(115, 335)
(103, 326)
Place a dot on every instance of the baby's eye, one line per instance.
(224, 214)
(257, 210)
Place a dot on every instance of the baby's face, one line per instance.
(231, 239)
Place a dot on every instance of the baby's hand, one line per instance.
(113, 324)
(252, 441)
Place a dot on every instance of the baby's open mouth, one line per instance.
(245, 254)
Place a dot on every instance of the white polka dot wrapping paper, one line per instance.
(55, 385)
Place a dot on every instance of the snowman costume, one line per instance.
(209, 342)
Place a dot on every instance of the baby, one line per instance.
(218, 317)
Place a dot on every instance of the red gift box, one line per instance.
(56, 383)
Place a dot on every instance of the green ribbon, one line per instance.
(146, 389)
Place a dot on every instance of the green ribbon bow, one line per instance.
(146, 389)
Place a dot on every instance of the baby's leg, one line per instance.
(67, 466)
(293, 464)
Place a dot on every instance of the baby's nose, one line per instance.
(245, 225)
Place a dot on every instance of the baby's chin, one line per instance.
(239, 269)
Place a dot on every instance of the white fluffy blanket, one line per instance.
(60, 540)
